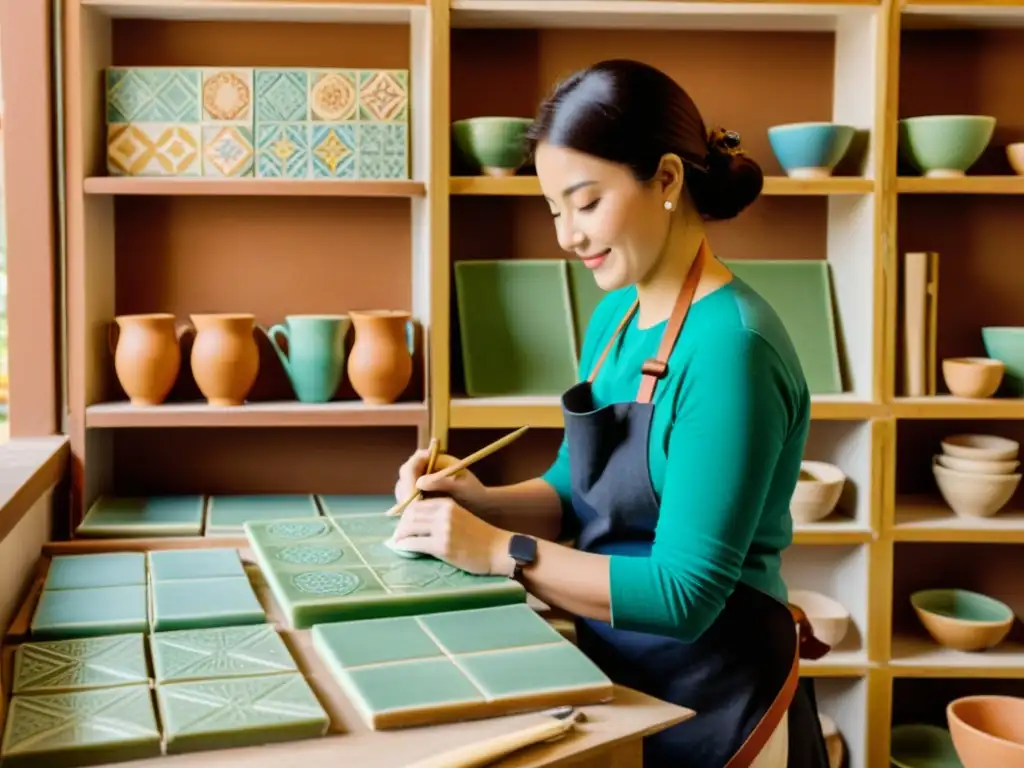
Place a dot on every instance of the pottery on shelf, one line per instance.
(315, 361)
(829, 619)
(988, 731)
(817, 491)
(972, 494)
(810, 150)
(225, 358)
(380, 361)
(1015, 156)
(915, 745)
(962, 620)
(1006, 344)
(945, 146)
(147, 355)
(496, 144)
(978, 466)
(972, 376)
(981, 447)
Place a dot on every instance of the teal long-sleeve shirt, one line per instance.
(730, 422)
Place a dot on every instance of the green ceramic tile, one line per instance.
(333, 152)
(525, 671)
(203, 654)
(114, 517)
(383, 151)
(237, 712)
(516, 327)
(153, 95)
(358, 643)
(367, 528)
(202, 603)
(61, 666)
(175, 564)
(114, 569)
(226, 514)
(282, 150)
(75, 613)
(228, 151)
(62, 730)
(343, 506)
(282, 95)
(800, 291)
(490, 629)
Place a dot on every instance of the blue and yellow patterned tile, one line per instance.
(227, 96)
(227, 151)
(384, 95)
(333, 95)
(154, 149)
(383, 151)
(282, 95)
(153, 95)
(282, 150)
(333, 150)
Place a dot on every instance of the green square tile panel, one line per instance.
(225, 515)
(800, 292)
(321, 571)
(238, 712)
(528, 671)
(114, 569)
(202, 603)
(509, 626)
(175, 564)
(120, 517)
(342, 506)
(62, 666)
(74, 613)
(516, 327)
(375, 641)
(219, 652)
(62, 730)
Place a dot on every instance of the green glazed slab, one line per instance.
(219, 652)
(202, 603)
(225, 515)
(175, 564)
(62, 666)
(114, 569)
(119, 517)
(75, 613)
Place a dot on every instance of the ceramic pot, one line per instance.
(962, 620)
(496, 144)
(945, 146)
(147, 356)
(988, 731)
(225, 358)
(316, 354)
(380, 362)
(810, 150)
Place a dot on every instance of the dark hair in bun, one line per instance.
(631, 113)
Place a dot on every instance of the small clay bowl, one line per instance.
(1015, 154)
(977, 467)
(918, 744)
(973, 376)
(988, 731)
(970, 494)
(981, 447)
(962, 620)
(817, 491)
(829, 619)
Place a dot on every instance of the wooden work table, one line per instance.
(609, 736)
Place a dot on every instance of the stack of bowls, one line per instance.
(988, 731)
(977, 474)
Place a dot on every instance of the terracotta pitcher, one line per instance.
(147, 355)
(380, 362)
(225, 358)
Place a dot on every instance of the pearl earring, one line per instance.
(668, 205)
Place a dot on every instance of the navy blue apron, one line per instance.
(740, 676)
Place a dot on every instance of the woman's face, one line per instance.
(615, 225)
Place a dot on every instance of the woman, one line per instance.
(682, 445)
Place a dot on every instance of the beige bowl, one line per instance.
(829, 619)
(972, 376)
(977, 467)
(817, 491)
(970, 494)
(981, 447)
(1015, 154)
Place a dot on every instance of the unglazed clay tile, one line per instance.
(333, 150)
(61, 666)
(228, 151)
(154, 149)
(227, 96)
(153, 95)
(84, 727)
(375, 641)
(113, 517)
(382, 151)
(524, 672)
(202, 654)
(282, 150)
(282, 95)
(174, 564)
(490, 629)
(75, 613)
(201, 603)
(235, 712)
(342, 506)
(384, 95)
(227, 514)
(109, 569)
(333, 95)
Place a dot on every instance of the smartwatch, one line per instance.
(523, 551)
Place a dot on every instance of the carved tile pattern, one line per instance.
(153, 95)
(383, 95)
(67, 665)
(227, 151)
(220, 652)
(153, 149)
(227, 96)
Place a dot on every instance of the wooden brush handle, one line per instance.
(486, 752)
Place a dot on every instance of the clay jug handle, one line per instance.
(272, 336)
(113, 335)
(410, 337)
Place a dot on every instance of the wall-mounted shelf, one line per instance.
(966, 185)
(181, 415)
(129, 185)
(528, 186)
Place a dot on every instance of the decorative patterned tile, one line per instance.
(383, 151)
(61, 666)
(153, 149)
(384, 95)
(227, 151)
(227, 96)
(153, 95)
(282, 95)
(219, 652)
(282, 150)
(333, 95)
(333, 150)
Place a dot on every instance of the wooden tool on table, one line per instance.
(483, 453)
(563, 719)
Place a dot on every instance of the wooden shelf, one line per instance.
(950, 407)
(828, 532)
(957, 14)
(930, 519)
(136, 185)
(284, 414)
(524, 186)
(324, 11)
(966, 185)
(916, 656)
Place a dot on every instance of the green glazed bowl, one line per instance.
(494, 144)
(961, 604)
(922, 746)
(1006, 344)
(945, 146)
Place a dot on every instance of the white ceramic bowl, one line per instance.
(816, 497)
(981, 447)
(970, 494)
(829, 619)
(978, 467)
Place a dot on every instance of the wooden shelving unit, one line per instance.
(276, 248)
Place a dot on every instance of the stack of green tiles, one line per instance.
(132, 516)
(458, 665)
(338, 568)
(89, 701)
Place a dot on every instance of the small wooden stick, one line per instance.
(483, 453)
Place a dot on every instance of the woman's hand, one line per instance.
(464, 486)
(443, 528)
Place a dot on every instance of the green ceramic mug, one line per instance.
(316, 353)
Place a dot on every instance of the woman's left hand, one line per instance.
(442, 528)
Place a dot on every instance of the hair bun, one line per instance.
(732, 182)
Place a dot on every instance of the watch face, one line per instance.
(522, 549)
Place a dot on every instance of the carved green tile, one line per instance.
(282, 150)
(202, 654)
(153, 95)
(332, 150)
(113, 569)
(313, 595)
(525, 671)
(175, 564)
(369, 504)
(282, 95)
(116, 517)
(490, 629)
(201, 603)
(226, 514)
(73, 613)
(376, 641)
(71, 729)
(61, 666)
(367, 528)
(235, 712)
(383, 151)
